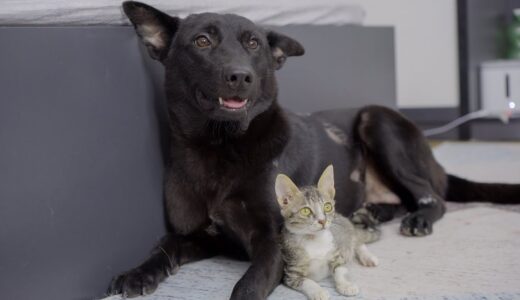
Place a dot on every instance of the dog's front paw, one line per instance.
(319, 294)
(134, 283)
(347, 288)
(416, 225)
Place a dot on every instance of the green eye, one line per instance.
(327, 207)
(305, 211)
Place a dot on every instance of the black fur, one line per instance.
(462, 190)
(219, 184)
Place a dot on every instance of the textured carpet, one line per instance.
(473, 253)
(491, 162)
(484, 162)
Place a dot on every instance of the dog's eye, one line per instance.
(202, 42)
(252, 43)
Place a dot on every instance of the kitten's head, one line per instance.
(309, 209)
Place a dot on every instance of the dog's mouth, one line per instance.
(234, 103)
(228, 104)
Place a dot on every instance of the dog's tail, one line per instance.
(462, 190)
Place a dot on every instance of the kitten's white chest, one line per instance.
(320, 246)
(319, 250)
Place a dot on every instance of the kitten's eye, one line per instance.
(252, 43)
(202, 42)
(327, 207)
(305, 211)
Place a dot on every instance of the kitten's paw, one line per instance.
(416, 225)
(319, 294)
(368, 260)
(347, 289)
(365, 257)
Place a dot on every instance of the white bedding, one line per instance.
(108, 12)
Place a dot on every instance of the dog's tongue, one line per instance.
(234, 103)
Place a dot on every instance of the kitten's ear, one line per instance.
(284, 188)
(155, 28)
(326, 182)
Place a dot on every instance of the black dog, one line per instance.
(230, 138)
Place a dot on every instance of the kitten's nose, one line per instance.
(322, 222)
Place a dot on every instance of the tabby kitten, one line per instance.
(316, 242)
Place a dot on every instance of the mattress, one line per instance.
(108, 12)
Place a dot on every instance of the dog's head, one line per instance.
(218, 67)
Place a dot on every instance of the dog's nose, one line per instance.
(238, 78)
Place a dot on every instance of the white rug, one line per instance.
(481, 161)
(473, 254)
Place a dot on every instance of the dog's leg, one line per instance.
(383, 212)
(372, 215)
(258, 235)
(401, 155)
(430, 207)
(265, 272)
(171, 252)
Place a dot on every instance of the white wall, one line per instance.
(426, 48)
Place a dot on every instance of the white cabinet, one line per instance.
(500, 85)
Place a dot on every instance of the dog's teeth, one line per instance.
(220, 100)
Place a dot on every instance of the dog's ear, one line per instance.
(282, 47)
(155, 28)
